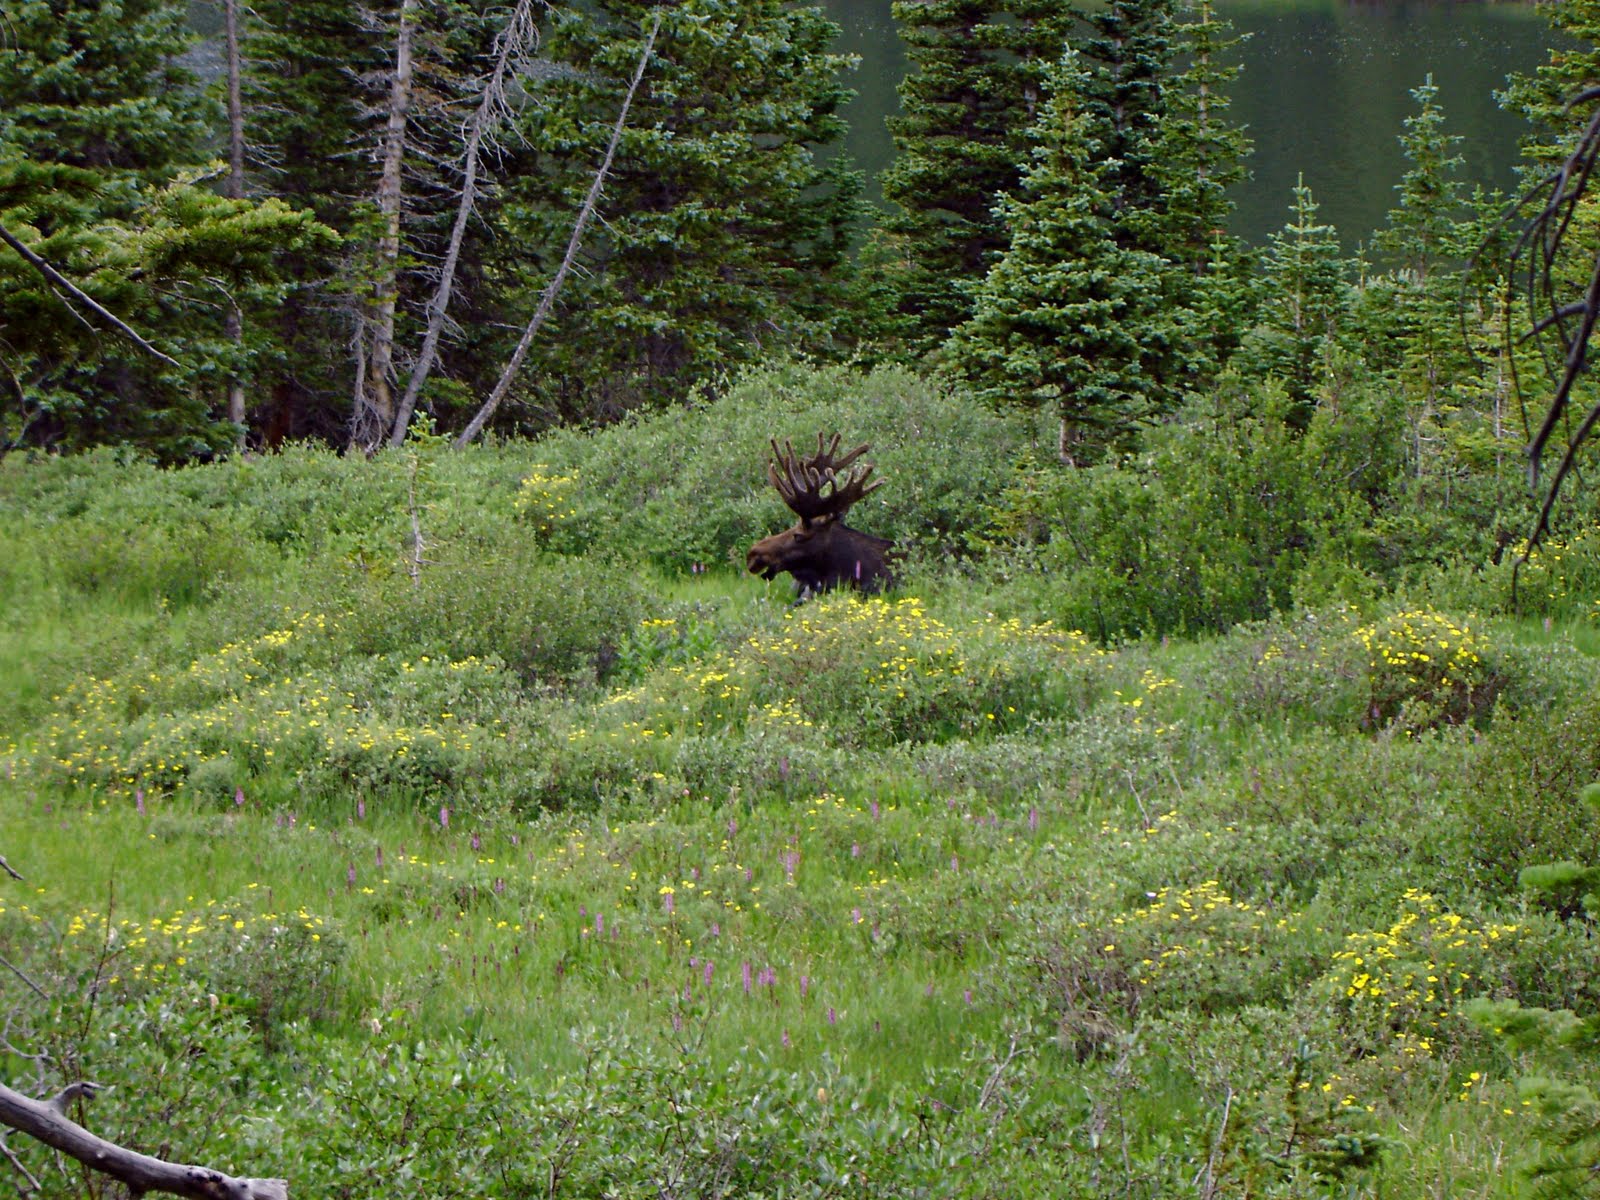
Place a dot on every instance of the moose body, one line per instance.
(821, 551)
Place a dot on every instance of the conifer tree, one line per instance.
(723, 232)
(1413, 316)
(356, 113)
(1545, 95)
(965, 104)
(1073, 317)
(102, 153)
(1304, 308)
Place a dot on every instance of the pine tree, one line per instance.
(723, 234)
(1545, 96)
(965, 103)
(1200, 154)
(102, 153)
(1072, 317)
(1304, 309)
(1414, 316)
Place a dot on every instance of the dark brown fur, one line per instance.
(824, 554)
(820, 550)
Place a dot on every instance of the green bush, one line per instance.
(1209, 527)
(1426, 669)
(552, 620)
(1520, 806)
(687, 487)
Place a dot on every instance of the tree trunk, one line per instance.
(547, 300)
(514, 43)
(235, 191)
(374, 413)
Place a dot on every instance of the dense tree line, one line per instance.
(405, 179)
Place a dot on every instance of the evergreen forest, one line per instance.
(408, 787)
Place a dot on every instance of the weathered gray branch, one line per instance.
(374, 398)
(234, 190)
(585, 214)
(47, 1121)
(514, 44)
(81, 296)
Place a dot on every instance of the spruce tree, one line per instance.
(959, 149)
(723, 230)
(1072, 317)
(102, 162)
(1305, 307)
(1545, 95)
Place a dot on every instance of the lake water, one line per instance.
(1324, 94)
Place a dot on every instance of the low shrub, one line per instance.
(1402, 990)
(1520, 804)
(685, 488)
(1426, 669)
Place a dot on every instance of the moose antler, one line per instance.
(820, 485)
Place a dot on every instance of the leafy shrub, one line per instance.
(1301, 671)
(545, 500)
(256, 712)
(550, 619)
(1425, 669)
(685, 487)
(1208, 528)
(871, 672)
(182, 1075)
(1402, 989)
(1519, 807)
(689, 633)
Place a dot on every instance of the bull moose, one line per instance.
(821, 551)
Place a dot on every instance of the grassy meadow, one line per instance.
(1113, 852)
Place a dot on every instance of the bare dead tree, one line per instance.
(234, 327)
(513, 52)
(1560, 284)
(585, 215)
(373, 412)
(77, 295)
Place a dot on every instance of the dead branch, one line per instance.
(59, 280)
(1541, 255)
(47, 1121)
(23, 975)
(585, 214)
(512, 47)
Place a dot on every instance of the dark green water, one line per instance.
(1325, 90)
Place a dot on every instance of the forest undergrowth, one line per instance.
(1119, 849)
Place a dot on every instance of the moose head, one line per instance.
(821, 551)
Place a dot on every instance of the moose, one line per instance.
(821, 551)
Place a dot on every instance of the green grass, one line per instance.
(1021, 914)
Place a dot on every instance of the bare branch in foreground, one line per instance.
(47, 1121)
(82, 297)
(1563, 299)
(547, 301)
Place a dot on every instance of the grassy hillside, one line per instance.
(1132, 845)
